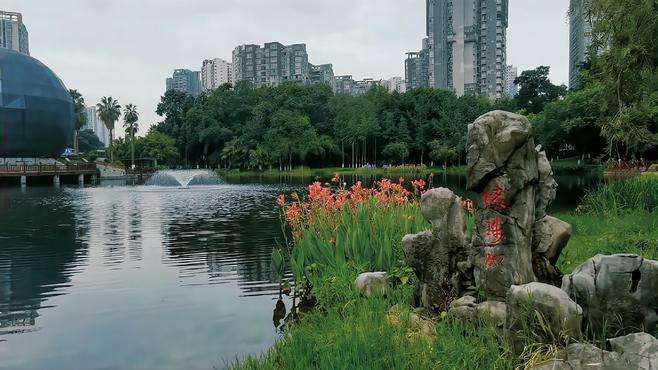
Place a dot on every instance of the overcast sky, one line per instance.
(126, 48)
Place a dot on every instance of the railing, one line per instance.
(46, 169)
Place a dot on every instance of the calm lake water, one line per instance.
(137, 277)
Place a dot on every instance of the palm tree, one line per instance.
(109, 112)
(130, 118)
(80, 116)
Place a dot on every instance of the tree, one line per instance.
(130, 118)
(536, 90)
(396, 151)
(109, 111)
(88, 141)
(441, 152)
(624, 56)
(80, 115)
(159, 146)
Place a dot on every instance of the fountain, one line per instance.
(183, 178)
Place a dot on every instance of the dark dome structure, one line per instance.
(36, 110)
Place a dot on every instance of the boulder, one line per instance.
(463, 309)
(638, 349)
(372, 283)
(467, 309)
(634, 351)
(618, 293)
(437, 256)
(562, 315)
(551, 235)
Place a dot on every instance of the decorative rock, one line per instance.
(547, 185)
(372, 283)
(435, 256)
(635, 351)
(551, 236)
(502, 165)
(492, 139)
(463, 309)
(640, 349)
(493, 311)
(515, 242)
(562, 314)
(617, 293)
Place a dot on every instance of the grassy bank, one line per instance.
(326, 173)
(336, 240)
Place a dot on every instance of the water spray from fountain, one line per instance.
(183, 178)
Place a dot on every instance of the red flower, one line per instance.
(418, 184)
(281, 200)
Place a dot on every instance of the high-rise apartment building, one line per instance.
(394, 84)
(271, 64)
(215, 73)
(96, 125)
(13, 33)
(186, 81)
(466, 46)
(322, 74)
(580, 39)
(416, 68)
(345, 85)
(511, 89)
(363, 86)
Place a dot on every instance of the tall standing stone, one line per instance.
(516, 185)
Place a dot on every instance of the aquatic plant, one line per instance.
(338, 232)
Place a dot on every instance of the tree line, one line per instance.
(280, 127)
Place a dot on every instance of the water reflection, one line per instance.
(166, 278)
(31, 268)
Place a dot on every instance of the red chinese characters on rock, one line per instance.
(493, 260)
(494, 199)
(494, 231)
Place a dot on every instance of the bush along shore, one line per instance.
(419, 279)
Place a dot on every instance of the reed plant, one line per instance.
(619, 196)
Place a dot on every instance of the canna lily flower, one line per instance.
(281, 200)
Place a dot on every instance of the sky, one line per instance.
(127, 48)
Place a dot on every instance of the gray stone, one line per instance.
(439, 256)
(504, 165)
(635, 351)
(547, 185)
(618, 293)
(493, 311)
(559, 312)
(372, 283)
(492, 139)
(463, 309)
(551, 235)
(640, 349)
(466, 300)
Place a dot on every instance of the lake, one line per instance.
(141, 277)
